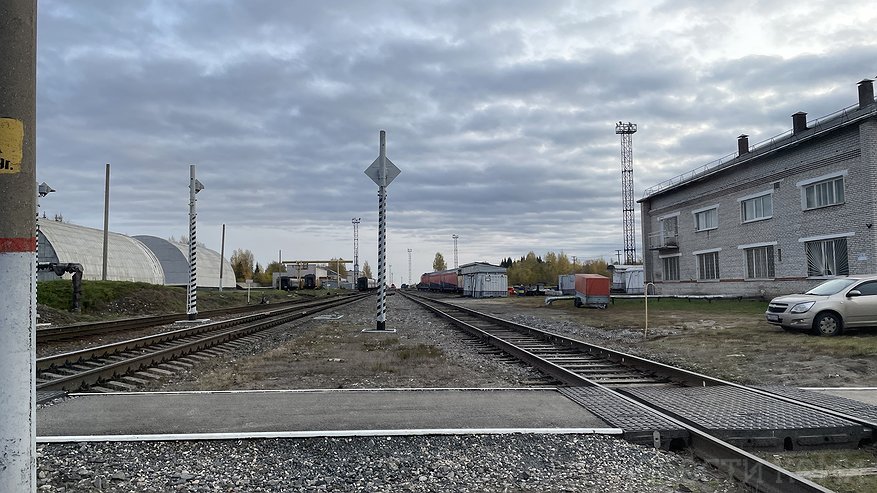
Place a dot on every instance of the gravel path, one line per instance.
(375, 464)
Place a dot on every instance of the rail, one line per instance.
(738, 463)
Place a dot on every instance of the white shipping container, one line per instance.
(485, 285)
(566, 283)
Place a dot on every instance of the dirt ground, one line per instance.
(725, 339)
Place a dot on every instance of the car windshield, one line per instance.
(831, 287)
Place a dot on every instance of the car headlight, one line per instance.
(802, 307)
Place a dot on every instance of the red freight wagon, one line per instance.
(592, 290)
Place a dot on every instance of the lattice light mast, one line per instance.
(355, 222)
(455, 237)
(626, 130)
(409, 266)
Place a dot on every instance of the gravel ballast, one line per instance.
(309, 354)
(520, 462)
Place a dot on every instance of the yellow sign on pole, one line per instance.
(11, 145)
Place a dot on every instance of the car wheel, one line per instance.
(827, 324)
(578, 302)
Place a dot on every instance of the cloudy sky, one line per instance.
(500, 114)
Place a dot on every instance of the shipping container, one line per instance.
(566, 283)
(485, 285)
(627, 279)
(592, 290)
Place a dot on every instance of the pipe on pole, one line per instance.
(103, 274)
(18, 199)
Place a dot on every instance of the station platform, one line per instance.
(141, 416)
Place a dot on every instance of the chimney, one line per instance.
(866, 93)
(742, 144)
(799, 122)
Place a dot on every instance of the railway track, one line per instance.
(76, 331)
(668, 406)
(127, 364)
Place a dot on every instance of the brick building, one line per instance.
(774, 218)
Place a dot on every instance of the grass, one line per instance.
(120, 299)
(831, 460)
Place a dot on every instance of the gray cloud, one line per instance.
(500, 114)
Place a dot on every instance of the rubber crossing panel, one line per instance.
(638, 424)
(749, 420)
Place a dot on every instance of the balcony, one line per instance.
(664, 241)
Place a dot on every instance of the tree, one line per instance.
(366, 270)
(267, 278)
(242, 264)
(338, 266)
(439, 262)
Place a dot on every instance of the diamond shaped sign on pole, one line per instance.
(374, 171)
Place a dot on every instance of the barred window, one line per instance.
(759, 262)
(671, 268)
(824, 193)
(827, 257)
(708, 266)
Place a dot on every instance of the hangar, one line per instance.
(146, 259)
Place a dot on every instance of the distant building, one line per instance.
(139, 259)
(774, 218)
(483, 280)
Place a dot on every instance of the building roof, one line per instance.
(816, 128)
(139, 259)
(174, 259)
(127, 258)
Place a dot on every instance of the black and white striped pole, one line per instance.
(195, 186)
(382, 171)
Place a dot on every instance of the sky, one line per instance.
(500, 114)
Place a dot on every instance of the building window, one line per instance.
(708, 266)
(707, 219)
(824, 193)
(759, 262)
(827, 257)
(756, 208)
(671, 268)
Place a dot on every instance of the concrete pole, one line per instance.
(18, 198)
(221, 258)
(192, 293)
(381, 317)
(103, 274)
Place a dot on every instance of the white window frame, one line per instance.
(700, 273)
(841, 265)
(676, 256)
(759, 195)
(770, 262)
(695, 212)
(831, 178)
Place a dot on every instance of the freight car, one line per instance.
(366, 284)
(445, 281)
(311, 281)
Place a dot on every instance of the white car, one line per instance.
(828, 308)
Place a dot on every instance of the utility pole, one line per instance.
(18, 244)
(382, 171)
(103, 274)
(626, 130)
(195, 186)
(221, 257)
(356, 221)
(455, 237)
